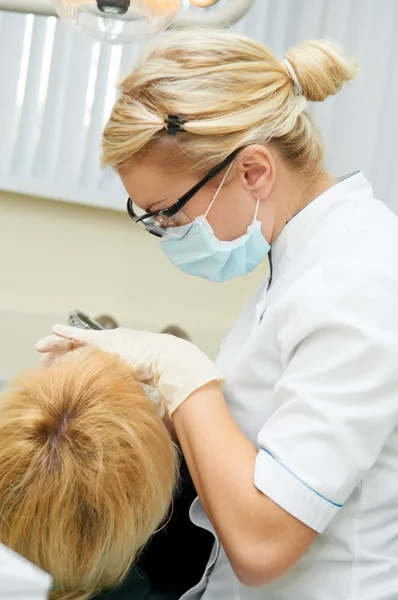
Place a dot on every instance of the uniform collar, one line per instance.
(300, 229)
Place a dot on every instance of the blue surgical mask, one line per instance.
(199, 252)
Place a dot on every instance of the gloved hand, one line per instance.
(172, 365)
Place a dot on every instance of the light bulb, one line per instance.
(118, 21)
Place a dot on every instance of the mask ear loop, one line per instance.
(256, 211)
(218, 191)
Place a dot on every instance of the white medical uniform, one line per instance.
(312, 380)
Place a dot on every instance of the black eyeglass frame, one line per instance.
(181, 202)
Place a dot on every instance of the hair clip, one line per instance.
(174, 124)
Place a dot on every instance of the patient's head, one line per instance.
(87, 470)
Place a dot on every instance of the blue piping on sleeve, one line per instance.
(303, 482)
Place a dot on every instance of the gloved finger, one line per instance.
(57, 345)
(75, 334)
(47, 359)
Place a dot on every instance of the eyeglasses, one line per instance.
(173, 221)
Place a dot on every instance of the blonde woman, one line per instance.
(292, 437)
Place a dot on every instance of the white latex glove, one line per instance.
(172, 365)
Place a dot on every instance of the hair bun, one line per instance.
(321, 68)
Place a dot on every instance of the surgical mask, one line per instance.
(199, 252)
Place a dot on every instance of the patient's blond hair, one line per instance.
(87, 470)
(232, 91)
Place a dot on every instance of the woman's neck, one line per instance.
(294, 193)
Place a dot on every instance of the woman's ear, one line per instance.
(257, 169)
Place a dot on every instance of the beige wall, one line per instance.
(58, 256)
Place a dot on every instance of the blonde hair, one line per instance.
(232, 91)
(87, 471)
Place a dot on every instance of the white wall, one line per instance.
(61, 86)
(57, 256)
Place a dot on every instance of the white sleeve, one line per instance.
(337, 400)
(20, 579)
